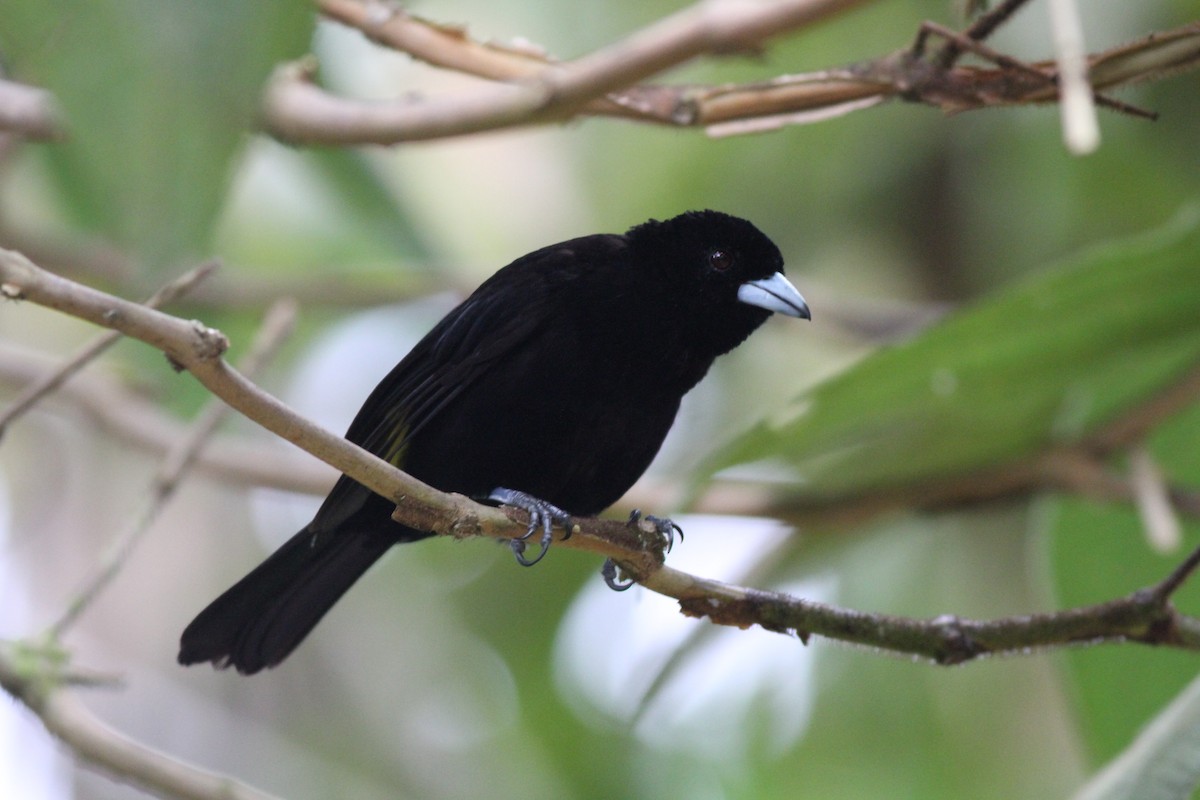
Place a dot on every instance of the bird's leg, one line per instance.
(541, 515)
(666, 529)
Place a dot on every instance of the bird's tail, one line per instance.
(265, 615)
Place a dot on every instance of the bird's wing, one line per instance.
(452, 356)
(500, 316)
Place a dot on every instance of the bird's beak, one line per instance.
(774, 293)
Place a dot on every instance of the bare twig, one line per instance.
(277, 325)
(29, 111)
(722, 109)
(1159, 519)
(38, 389)
(39, 681)
(142, 424)
(1143, 617)
(980, 29)
(532, 88)
(298, 111)
(236, 287)
(1081, 129)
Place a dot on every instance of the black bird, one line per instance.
(551, 387)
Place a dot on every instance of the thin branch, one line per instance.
(39, 682)
(1164, 532)
(1081, 129)
(531, 88)
(142, 424)
(29, 111)
(1144, 617)
(277, 326)
(1132, 426)
(980, 29)
(299, 112)
(237, 287)
(138, 423)
(320, 117)
(36, 390)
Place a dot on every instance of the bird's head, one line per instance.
(722, 269)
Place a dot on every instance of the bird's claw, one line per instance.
(542, 515)
(666, 527)
(611, 579)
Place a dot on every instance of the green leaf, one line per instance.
(1162, 763)
(1045, 361)
(158, 96)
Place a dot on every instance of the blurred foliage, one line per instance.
(1082, 344)
(128, 71)
(442, 675)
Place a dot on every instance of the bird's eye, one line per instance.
(720, 260)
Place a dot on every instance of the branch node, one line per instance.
(466, 524)
(957, 646)
(210, 344)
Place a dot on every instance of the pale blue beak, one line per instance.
(774, 293)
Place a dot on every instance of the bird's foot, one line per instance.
(666, 529)
(612, 579)
(542, 515)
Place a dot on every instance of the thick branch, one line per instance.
(298, 111)
(590, 85)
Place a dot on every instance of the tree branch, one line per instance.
(299, 112)
(29, 111)
(38, 679)
(1145, 616)
(277, 326)
(536, 88)
(142, 424)
(36, 390)
(531, 88)
(192, 346)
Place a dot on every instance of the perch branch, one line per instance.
(38, 389)
(1145, 616)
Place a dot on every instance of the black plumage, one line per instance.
(558, 377)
